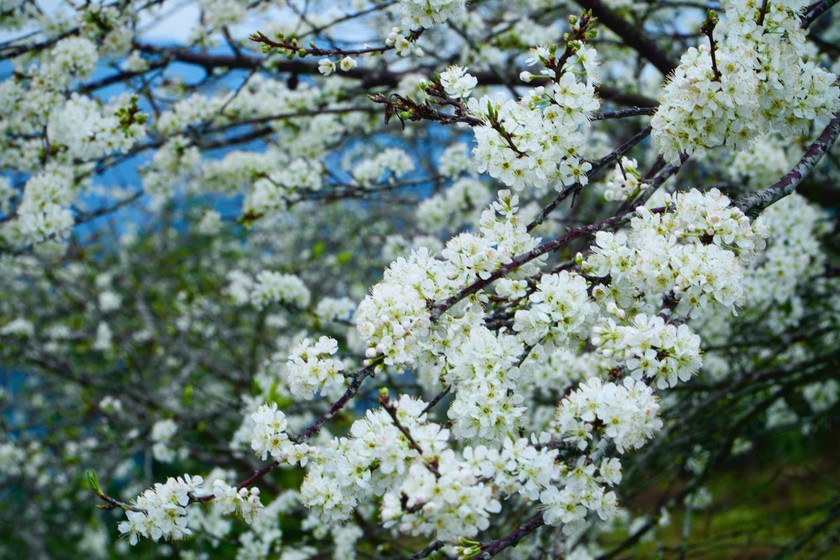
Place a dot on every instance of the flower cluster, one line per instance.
(310, 368)
(696, 252)
(822, 395)
(269, 433)
(327, 67)
(376, 457)
(447, 506)
(276, 189)
(534, 142)
(457, 82)
(455, 160)
(394, 320)
(754, 81)
(162, 433)
(521, 466)
(274, 287)
(18, 327)
(460, 204)
(403, 42)
(583, 489)
(627, 414)
(335, 309)
(161, 511)
(87, 132)
(242, 501)
(487, 405)
(394, 317)
(793, 257)
(43, 213)
(561, 311)
(391, 163)
(650, 348)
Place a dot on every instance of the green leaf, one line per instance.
(186, 398)
(93, 481)
(318, 249)
(344, 257)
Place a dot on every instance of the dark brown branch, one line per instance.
(436, 400)
(428, 551)
(512, 539)
(753, 204)
(762, 13)
(708, 30)
(623, 114)
(412, 443)
(290, 45)
(613, 156)
(553, 245)
(368, 77)
(815, 10)
(93, 214)
(313, 429)
(351, 391)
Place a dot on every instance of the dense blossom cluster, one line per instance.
(242, 501)
(457, 82)
(627, 414)
(487, 405)
(583, 491)
(392, 319)
(535, 141)
(650, 348)
(696, 252)
(463, 509)
(561, 311)
(268, 436)
(376, 456)
(274, 287)
(395, 320)
(758, 81)
(43, 213)
(87, 132)
(161, 511)
(310, 368)
(78, 129)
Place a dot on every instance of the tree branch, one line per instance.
(513, 538)
(369, 77)
(753, 204)
(815, 10)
